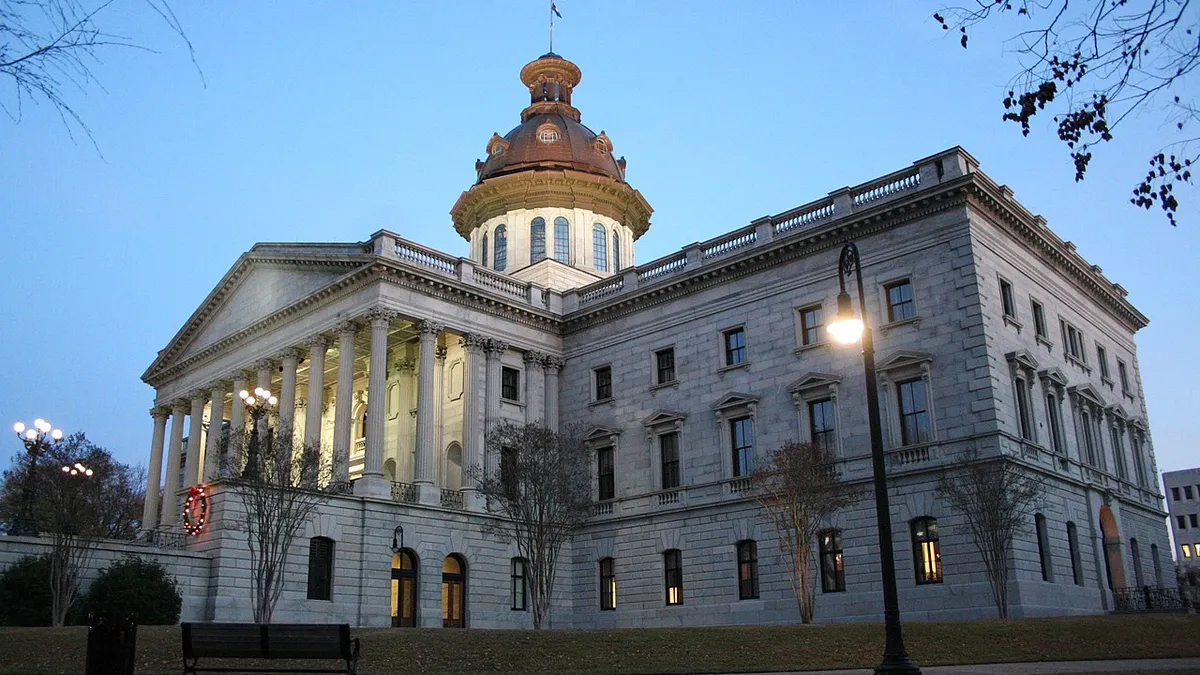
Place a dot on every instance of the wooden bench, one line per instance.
(269, 641)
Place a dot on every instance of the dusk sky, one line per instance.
(328, 121)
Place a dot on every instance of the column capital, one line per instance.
(159, 413)
(292, 353)
(495, 346)
(236, 375)
(440, 353)
(263, 364)
(222, 384)
(349, 326)
(534, 358)
(430, 328)
(198, 396)
(318, 341)
(380, 317)
(554, 363)
(472, 342)
(180, 407)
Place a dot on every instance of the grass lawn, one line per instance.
(674, 650)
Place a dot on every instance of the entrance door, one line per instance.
(404, 589)
(454, 587)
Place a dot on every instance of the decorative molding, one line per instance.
(534, 358)
(664, 417)
(380, 317)
(813, 380)
(472, 342)
(348, 326)
(495, 346)
(440, 353)
(264, 364)
(160, 412)
(402, 366)
(553, 364)
(319, 341)
(430, 328)
(292, 353)
(735, 399)
(1021, 358)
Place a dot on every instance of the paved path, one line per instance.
(1040, 668)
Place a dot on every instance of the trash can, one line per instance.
(111, 645)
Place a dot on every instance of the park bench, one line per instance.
(268, 641)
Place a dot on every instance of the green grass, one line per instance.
(674, 650)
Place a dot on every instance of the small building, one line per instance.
(1183, 504)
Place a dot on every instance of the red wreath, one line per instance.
(195, 511)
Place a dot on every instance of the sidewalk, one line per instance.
(1040, 668)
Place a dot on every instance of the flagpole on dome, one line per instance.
(553, 13)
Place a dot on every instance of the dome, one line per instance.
(551, 140)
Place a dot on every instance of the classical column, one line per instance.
(372, 482)
(289, 359)
(423, 471)
(191, 471)
(345, 392)
(317, 345)
(237, 426)
(533, 385)
(553, 365)
(212, 444)
(154, 473)
(171, 474)
(495, 349)
(439, 401)
(473, 345)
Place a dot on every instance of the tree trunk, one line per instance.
(805, 597)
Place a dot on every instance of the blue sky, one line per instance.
(327, 121)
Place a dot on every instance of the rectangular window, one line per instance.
(747, 554)
(1118, 449)
(606, 473)
(914, 412)
(833, 571)
(1181, 522)
(735, 346)
(603, 377)
(1123, 375)
(812, 325)
(1187, 551)
(1006, 299)
(510, 384)
(822, 426)
(673, 576)
(668, 448)
(1089, 443)
(608, 584)
(1039, 318)
(508, 472)
(899, 301)
(1023, 417)
(1043, 542)
(664, 365)
(741, 436)
(1073, 545)
(1055, 418)
(1187, 491)
(320, 568)
(519, 587)
(927, 552)
(1174, 494)
(1102, 358)
(1073, 341)
(1192, 521)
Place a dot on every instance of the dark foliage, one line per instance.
(137, 587)
(25, 592)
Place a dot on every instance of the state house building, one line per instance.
(992, 335)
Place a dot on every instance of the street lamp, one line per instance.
(37, 439)
(258, 404)
(847, 329)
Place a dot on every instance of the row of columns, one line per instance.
(479, 412)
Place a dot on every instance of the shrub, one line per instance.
(138, 587)
(25, 592)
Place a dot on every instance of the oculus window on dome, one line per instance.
(547, 134)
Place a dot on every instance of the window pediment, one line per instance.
(1088, 392)
(1118, 411)
(813, 380)
(904, 359)
(600, 434)
(664, 417)
(735, 399)
(1053, 375)
(1022, 359)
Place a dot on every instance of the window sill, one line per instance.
(1043, 340)
(601, 401)
(726, 369)
(915, 321)
(809, 347)
(1010, 320)
(512, 402)
(673, 384)
(1127, 394)
(1071, 358)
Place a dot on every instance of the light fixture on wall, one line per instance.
(398, 539)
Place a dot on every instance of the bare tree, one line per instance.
(1096, 63)
(996, 496)
(50, 46)
(280, 492)
(543, 493)
(799, 488)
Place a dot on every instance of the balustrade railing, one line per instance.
(502, 283)
(729, 242)
(452, 499)
(343, 487)
(739, 485)
(161, 539)
(668, 497)
(1149, 599)
(803, 216)
(600, 289)
(405, 492)
(662, 267)
(906, 456)
(602, 509)
(887, 186)
(419, 255)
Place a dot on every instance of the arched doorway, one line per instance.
(1113, 564)
(404, 588)
(454, 590)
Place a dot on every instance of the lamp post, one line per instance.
(258, 404)
(37, 439)
(847, 329)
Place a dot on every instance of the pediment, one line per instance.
(734, 399)
(1022, 357)
(1118, 411)
(1088, 392)
(256, 287)
(904, 358)
(664, 417)
(600, 434)
(813, 380)
(1054, 375)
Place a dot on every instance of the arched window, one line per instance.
(1073, 545)
(562, 240)
(454, 466)
(616, 251)
(320, 568)
(1043, 542)
(454, 590)
(599, 248)
(483, 251)
(501, 258)
(519, 586)
(673, 576)
(833, 570)
(608, 584)
(747, 556)
(927, 552)
(537, 240)
(404, 588)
